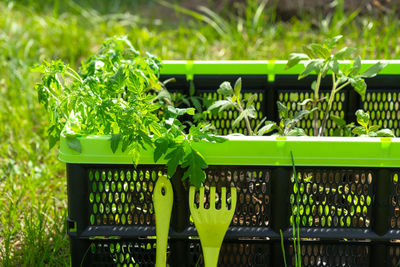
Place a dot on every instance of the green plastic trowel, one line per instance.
(163, 197)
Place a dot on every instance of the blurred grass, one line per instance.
(32, 180)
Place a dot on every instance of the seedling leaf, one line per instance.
(313, 65)
(385, 133)
(373, 70)
(269, 127)
(74, 143)
(238, 87)
(225, 89)
(294, 59)
(115, 139)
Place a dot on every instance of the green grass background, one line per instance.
(33, 202)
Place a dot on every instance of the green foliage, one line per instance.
(342, 128)
(112, 95)
(288, 125)
(233, 99)
(367, 129)
(166, 98)
(320, 59)
(109, 95)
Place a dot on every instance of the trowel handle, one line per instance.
(163, 197)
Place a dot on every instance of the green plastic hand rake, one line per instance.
(211, 224)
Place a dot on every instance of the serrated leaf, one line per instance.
(302, 114)
(385, 133)
(220, 103)
(115, 139)
(269, 127)
(296, 132)
(238, 87)
(53, 141)
(161, 148)
(250, 112)
(195, 163)
(313, 65)
(181, 111)
(333, 41)
(374, 128)
(173, 159)
(339, 121)
(344, 53)
(154, 128)
(336, 132)
(118, 79)
(362, 118)
(355, 69)
(359, 131)
(334, 66)
(373, 70)
(250, 100)
(214, 138)
(196, 103)
(308, 51)
(238, 119)
(294, 59)
(225, 89)
(359, 86)
(320, 51)
(74, 143)
(226, 106)
(282, 110)
(164, 94)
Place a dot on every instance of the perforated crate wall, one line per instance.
(342, 199)
(331, 254)
(339, 198)
(122, 196)
(395, 201)
(384, 108)
(138, 253)
(394, 255)
(235, 254)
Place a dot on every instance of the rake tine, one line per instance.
(223, 198)
(212, 197)
(201, 199)
(192, 191)
(233, 198)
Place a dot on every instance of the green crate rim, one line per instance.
(262, 151)
(254, 67)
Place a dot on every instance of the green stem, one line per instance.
(342, 86)
(246, 119)
(73, 74)
(315, 104)
(329, 106)
(283, 247)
